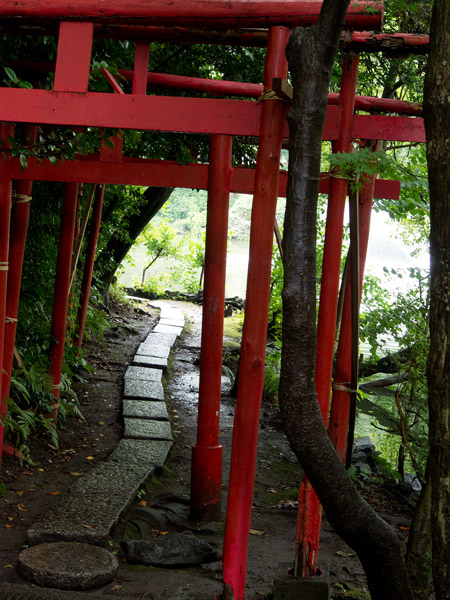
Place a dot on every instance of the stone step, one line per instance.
(93, 506)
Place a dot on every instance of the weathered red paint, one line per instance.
(74, 57)
(140, 71)
(12, 453)
(94, 230)
(326, 326)
(112, 81)
(198, 13)
(61, 292)
(6, 130)
(18, 233)
(188, 115)
(133, 111)
(137, 171)
(230, 88)
(374, 127)
(309, 518)
(329, 290)
(251, 373)
(206, 469)
(340, 405)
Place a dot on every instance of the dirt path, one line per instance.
(31, 490)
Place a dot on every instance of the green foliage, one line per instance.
(403, 320)
(272, 373)
(160, 242)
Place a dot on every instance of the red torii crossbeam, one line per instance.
(363, 16)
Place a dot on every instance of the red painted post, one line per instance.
(140, 72)
(18, 233)
(61, 293)
(6, 130)
(340, 406)
(308, 534)
(253, 347)
(94, 229)
(329, 290)
(206, 469)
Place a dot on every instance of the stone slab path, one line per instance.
(95, 503)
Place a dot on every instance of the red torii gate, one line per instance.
(70, 103)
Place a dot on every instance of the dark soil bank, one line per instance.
(161, 509)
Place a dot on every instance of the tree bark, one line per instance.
(120, 243)
(419, 542)
(311, 54)
(437, 125)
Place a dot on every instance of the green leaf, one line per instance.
(53, 160)
(23, 162)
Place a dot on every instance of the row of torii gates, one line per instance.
(245, 23)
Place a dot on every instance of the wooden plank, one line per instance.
(198, 13)
(156, 113)
(398, 129)
(159, 173)
(74, 57)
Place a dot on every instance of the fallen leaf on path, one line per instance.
(160, 532)
(143, 503)
(76, 474)
(20, 493)
(7, 567)
(55, 493)
(10, 526)
(89, 526)
(22, 508)
(343, 554)
(256, 532)
(89, 458)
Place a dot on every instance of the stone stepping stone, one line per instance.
(94, 505)
(145, 409)
(161, 351)
(145, 429)
(173, 322)
(177, 550)
(149, 453)
(67, 565)
(160, 339)
(143, 373)
(140, 388)
(170, 329)
(156, 362)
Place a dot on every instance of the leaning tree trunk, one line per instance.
(437, 124)
(120, 243)
(311, 54)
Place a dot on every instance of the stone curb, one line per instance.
(95, 503)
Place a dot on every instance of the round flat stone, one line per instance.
(67, 565)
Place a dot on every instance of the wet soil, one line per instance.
(30, 490)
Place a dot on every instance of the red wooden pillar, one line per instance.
(251, 375)
(309, 513)
(340, 407)
(18, 235)
(140, 72)
(206, 469)
(62, 285)
(94, 229)
(331, 266)
(5, 209)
